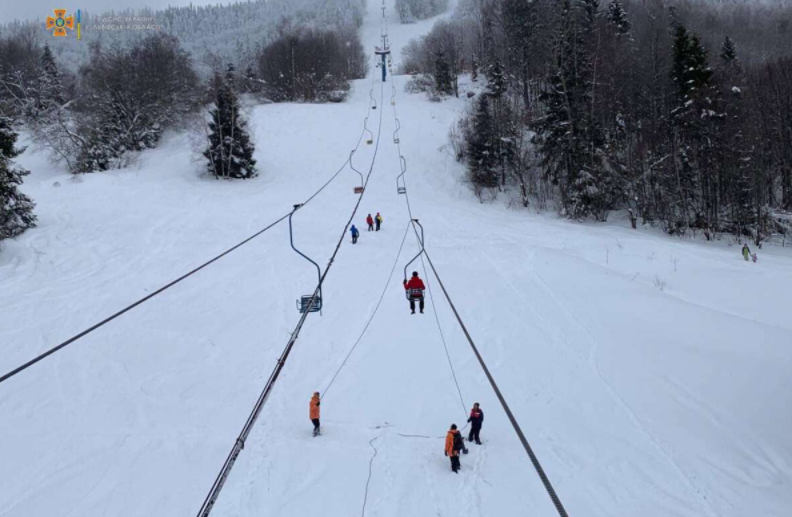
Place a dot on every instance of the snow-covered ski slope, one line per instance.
(638, 401)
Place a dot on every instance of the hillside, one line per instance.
(651, 374)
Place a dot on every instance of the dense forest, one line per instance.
(677, 112)
(212, 34)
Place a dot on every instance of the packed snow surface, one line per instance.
(650, 374)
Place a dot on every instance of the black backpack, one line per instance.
(459, 444)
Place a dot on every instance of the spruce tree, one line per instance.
(728, 51)
(618, 17)
(696, 119)
(569, 136)
(50, 85)
(16, 209)
(481, 150)
(442, 74)
(230, 151)
(497, 79)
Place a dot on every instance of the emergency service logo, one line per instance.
(60, 24)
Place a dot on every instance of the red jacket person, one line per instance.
(415, 291)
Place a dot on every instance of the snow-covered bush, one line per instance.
(129, 96)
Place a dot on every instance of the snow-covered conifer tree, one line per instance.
(16, 209)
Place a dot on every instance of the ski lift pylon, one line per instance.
(308, 302)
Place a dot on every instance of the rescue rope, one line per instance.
(239, 444)
(442, 338)
(373, 314)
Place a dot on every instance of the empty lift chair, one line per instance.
(308, 302)
(361, 188)
(401, 186)
(370, 138)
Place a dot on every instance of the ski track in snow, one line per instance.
(637, 401)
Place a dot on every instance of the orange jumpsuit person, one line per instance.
(453, 445)
(313, 412)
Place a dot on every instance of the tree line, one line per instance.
(677, 112)
(123, 99)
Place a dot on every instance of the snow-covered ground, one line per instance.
(650, 374)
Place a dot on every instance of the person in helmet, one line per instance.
(453, 444)
(415, 291)
(476, 421)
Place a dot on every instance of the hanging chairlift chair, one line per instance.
(361, 188)
(401, 187)
(308, 302)
(415, 294)
(370, 139)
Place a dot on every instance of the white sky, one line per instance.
(39, 9)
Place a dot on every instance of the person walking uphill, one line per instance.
(313, 412)
(378, 219)
(370, 223)
(355, 234)
(453, 445)
(746, 252)
(476, 419)
(415, 291)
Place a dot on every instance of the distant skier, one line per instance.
(378, 220)
(355, 234)
(415, 291)
(453, 445)
(476, 419)
(370, 223)
(313, 412)
(746, 252)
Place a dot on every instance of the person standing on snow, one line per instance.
(313, 412)
(415, 291)
(378, 219)
(453, 445)
(355, 234)
(370, 223)
(746, 252)
(476, 419)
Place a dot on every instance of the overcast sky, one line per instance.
(40, 9)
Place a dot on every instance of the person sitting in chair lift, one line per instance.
(415, 291)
